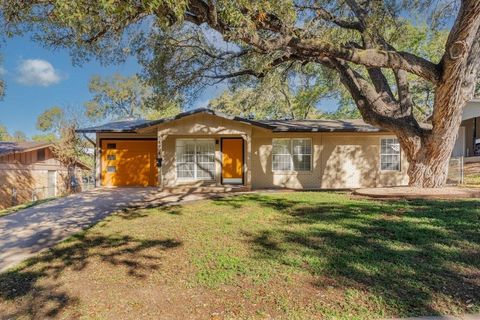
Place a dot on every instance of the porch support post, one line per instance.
(474, 135)
(160, 138)
(98, 162)
(248, 167)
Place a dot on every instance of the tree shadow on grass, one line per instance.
(37, 290)
(419, 257)
(238, 201)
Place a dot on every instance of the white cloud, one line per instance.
(37, 72)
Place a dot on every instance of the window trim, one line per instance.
(381, 154)
(196, 178)
(292, 170)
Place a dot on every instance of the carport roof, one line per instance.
(129, 125)
(323, 125)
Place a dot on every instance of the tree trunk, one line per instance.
(429, 154)
(428, 161)
(429, 168)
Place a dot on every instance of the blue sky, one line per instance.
(26, 98)
(38, 78)
(32, 86)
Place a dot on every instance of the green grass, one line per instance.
(284, 255)
(10, 210)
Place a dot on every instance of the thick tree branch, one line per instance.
(246, 72)
(404, 96)
(381, 84)
(255, 73)
(457, 64)
(370, 104)
(288, 39)
(359, 12)
(461, 38)
(371, 58)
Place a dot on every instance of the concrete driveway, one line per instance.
(24, 233)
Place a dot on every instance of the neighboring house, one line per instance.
(29, 171)
(205, 147)
(468, 140)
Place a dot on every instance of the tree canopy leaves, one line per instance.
(17, 136)
(51, 120)
(120, 97)
(59, 125)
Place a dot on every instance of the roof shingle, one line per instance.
(352, 125)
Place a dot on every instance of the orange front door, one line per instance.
(232, 160)
(129, 163)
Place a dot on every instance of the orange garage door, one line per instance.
(129, 163)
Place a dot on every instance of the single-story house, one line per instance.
(30, 171)
(203, 147)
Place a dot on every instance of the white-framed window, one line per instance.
(292, 154)
(390, 154)
(195, 159)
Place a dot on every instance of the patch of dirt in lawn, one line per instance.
(418, 193)
(471, 168)
(472, 174)
(122, 286)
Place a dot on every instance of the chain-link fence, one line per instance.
(455, 171)
(12, 196)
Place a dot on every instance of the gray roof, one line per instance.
(129, 125)
(353, 125)
(320, 125)
(7, 147)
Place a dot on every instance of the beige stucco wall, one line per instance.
(265, 177)
(348, 160)
(353, 161)
(199, 126)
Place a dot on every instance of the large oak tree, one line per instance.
(358, 40)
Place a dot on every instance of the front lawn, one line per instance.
(280, 255)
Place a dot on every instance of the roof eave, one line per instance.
(207, 111)
(23, 150)
(330, 130)
(103, 131)
(273, 128)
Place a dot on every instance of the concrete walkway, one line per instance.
(26, 232)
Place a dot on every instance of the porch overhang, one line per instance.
(471, 110)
